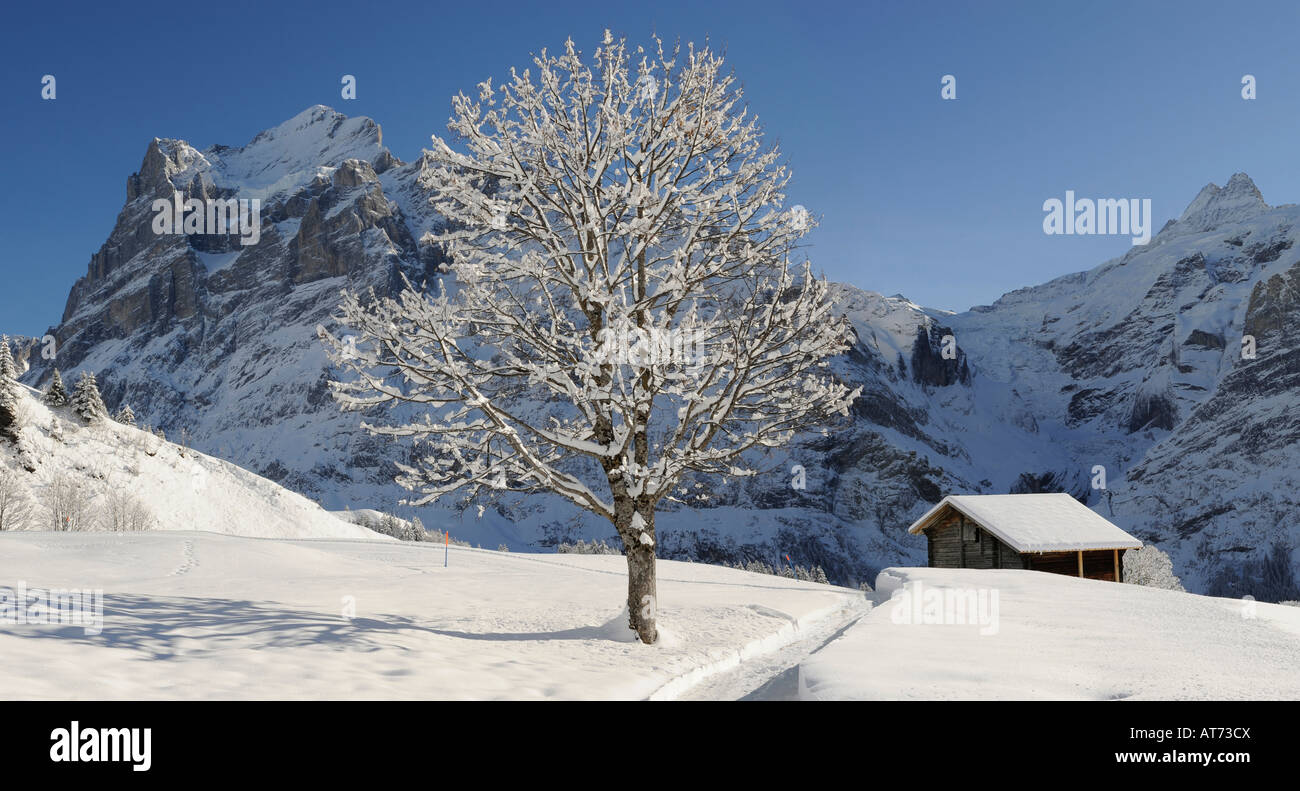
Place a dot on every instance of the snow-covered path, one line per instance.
(208, 616)
(773, 675)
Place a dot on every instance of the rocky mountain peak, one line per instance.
(1214, 206)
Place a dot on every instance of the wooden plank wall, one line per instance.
(945, 542)
(947, 550)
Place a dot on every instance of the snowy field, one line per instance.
(200, 616)
(1057, 637)
(191, 615)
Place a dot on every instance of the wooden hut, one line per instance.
(1041, 532)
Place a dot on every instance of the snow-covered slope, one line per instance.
(1134, 366)
(176, 488)
(1057, 638)
(239, 618)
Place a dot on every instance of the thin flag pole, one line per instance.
(446, 550)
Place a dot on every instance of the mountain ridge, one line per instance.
(1129, 365)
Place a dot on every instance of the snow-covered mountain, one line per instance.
(1143, 365)
(1135, 366)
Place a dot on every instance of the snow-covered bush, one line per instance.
(146, 440)
(97, 468)
(1151, 567)
(16, 507)
(125, 513)
(68, 503)
(503, 548)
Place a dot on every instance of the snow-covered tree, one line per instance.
(625, 308)
(86, 399)
(16, 509)
(10, 392)
(68, 503)
(124, 512)
(56, 394)
(596, 547)
(1151, 567)
(416, 531)
(125, 416)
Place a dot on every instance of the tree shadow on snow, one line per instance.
(165, 626)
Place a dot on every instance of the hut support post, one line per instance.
(1081, 563)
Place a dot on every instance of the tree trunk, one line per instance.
(635, 520)
(642, 596)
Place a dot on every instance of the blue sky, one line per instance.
(938, 200)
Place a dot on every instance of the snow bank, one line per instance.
(1059, 637)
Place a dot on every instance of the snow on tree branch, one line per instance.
(623, 305)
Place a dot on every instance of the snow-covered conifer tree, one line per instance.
(625, 308)
(86, 399)
(125, 416)
(9, 391)
(416, 531)
(56, 394)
